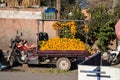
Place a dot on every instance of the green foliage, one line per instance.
(101, 28)
(68, 6)
(117, 9)
(49, 3)
(80, 32)
(101, 25)
(65, 32)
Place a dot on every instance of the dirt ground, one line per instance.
(38, 72)
(38, 68)
(43, 69)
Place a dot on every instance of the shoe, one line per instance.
(3, 67)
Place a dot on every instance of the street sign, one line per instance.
(90, 72)
(97, 72)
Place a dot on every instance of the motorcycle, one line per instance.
(19, 53)
(114, 56)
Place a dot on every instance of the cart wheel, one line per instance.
(63, 64)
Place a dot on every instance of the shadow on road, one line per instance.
(42, 65)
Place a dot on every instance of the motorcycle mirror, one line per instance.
(17, 32)
(21, 34)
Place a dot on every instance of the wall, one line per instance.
(26, 21)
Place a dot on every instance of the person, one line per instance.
(2, 67)
(1, 61)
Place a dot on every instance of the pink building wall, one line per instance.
(9, 26)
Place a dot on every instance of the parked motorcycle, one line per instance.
(19, 53)
(114, 56)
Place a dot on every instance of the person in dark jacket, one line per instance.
(2, 60)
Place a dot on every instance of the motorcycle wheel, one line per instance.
(111, 59)
(11, 62)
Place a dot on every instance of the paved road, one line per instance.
(37, 76)
(40, 75)
(37, 72)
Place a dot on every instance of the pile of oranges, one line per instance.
(62, 44)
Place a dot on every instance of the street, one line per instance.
(37, 72)
(37, 76)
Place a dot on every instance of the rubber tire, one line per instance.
(110, 58)
(11, 61)
(63, 64)
(118, 57)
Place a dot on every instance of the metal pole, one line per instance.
(38, 22)
(80, 20)
(42, 25)
(58, 14)
(86, 38)
(58, 8)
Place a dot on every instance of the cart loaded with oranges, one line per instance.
(63, 51)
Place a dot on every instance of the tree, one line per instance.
(71, 7)
(101, 26)
(117, 9)
(49, 3)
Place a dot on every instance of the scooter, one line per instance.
(114, 56)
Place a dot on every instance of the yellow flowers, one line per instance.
(73, 30)
(86, 29)
(56, 25)
(65, 27)
(62, 44)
